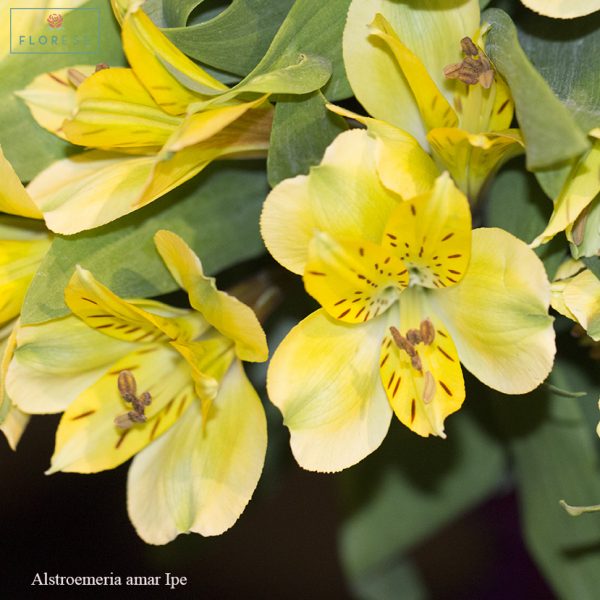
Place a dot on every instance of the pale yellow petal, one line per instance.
(498, 314)
(324, 378)
(14, 199)
(582, 297)
(563, 9)
(200, 480)
(287, 223)
(227, 314)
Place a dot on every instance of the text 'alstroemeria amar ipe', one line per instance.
(408, 292)
(395, 54)
(24, 242)
(200, 443)
(147, 129)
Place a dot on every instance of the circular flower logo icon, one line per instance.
(55, 20)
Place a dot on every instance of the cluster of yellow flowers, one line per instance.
(380, 231)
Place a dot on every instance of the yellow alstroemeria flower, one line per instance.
(23, 244)
(576, 295)
(395, 54)
(142, 136)
(577, 194)
(200, 442)
(408, 292)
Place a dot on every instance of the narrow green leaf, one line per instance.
(236, 39)
(593, 264)
(554, 450)
(216, 213)
(302, 129)
(517, 204)
(409, 488)
(27, 146)
(550, 131)
(563, 393)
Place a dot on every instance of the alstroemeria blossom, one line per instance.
(200, 446)
(142, 137)
(23, 244)
(408, 292)
(395, 55)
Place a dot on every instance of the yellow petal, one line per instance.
(403, 166)
(503, 108)
(348, 199)
(154, 58)
(432, 235)
(51, 97)
(19, 261)
(498, 314)
(433, 106)
(559, 9)
(324, 378)
(472, 158)
(14, 199)
(201, 480)
(56, 361)
(287, 223)
(105, 312)
(225, 313)
(353, 280)
(580, 188)
(114, 110)
(430, 29)
(200, 126)
(87, 439)
(423, 391)
(582, 297)
(13, 426)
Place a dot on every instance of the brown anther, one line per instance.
(128, 388)
(475, 67)
(402, 342)
(413, 336)
(578, 229)
(415, 361)
(428, 387)
(101, 67)
(427, 331)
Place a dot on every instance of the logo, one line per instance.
(61, 30)
(55, 21)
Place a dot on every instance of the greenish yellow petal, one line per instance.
(324, 378)
(581, 296)
(56, 361)
(13, 426)
(498, 314)
(19, 261)
(225, 313)
(114, 110)
(472, 158)
(430, 29)
(347, 197)
(51, 97)
(14, 199)
(435, 110)
(354, 280)
(559, 9)
(200, 480)
(403, 166)
(105, 312)
(154, 59)
(87, 439)
(503, 108)
(287, 223)
(432, 235)
(580, 188)
(424, 388)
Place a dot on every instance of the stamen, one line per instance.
(127, 388)
(428, 387)
(474, 68)
(427, 331)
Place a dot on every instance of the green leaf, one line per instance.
(216, 213)
(177, 12)
(550, 131)
(384, 585)
(409, 488)
(28, 147)
(517, 204)
(567, 55)
(554, 448)
(593, 264)
(483, 4)
(302, 129)
(236, 39)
